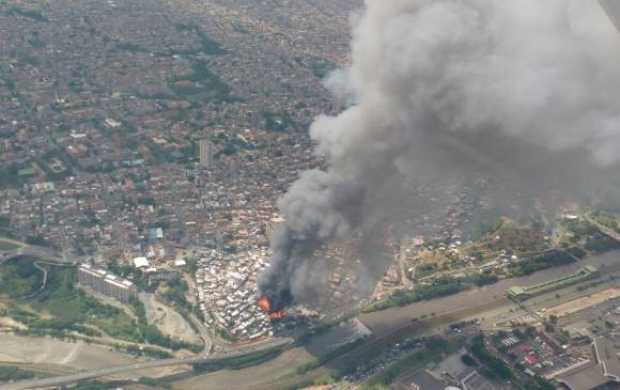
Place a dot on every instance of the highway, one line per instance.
(388, 326)
(73, 378)
(42, 253)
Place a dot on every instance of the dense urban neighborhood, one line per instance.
(145, 147)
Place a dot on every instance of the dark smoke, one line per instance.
(524, 91)
(309, 207)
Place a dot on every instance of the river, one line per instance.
(384, 321)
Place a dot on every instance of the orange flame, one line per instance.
(264, 304)
(277, 315)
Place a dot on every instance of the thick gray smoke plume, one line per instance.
(444, 86)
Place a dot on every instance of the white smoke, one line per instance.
(544, 71)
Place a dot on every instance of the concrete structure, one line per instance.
(607, 356)
(593, 374)
(141, 262)
(106, 283)
(206, 153)
(522, 293)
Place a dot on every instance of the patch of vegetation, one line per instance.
(439, 288)
(581, 228)
(37, 240)
(576, 251)
(494, 368)
(36, 42)
(9, 177)
(5, 221)
(152, 382)
(11, 374)
(201, 83)
(469, 361)
(67, 308)
(151, 352)
(35, 15)
(19, 277)
(208, 45)
(175, 291)
(320, 67)
(70, 309)
(547, 260)
(606, 220)
(131, 47)
(239, 362)
(152, 335)
(600, 243)
(56, 164)
(5, 245)
(96, 385)
(484, 279)
(426, 269)
(514, 238)
(434, 350)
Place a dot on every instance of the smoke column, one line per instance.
(612, 7)
(440, 86)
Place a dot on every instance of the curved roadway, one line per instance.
(68, 379)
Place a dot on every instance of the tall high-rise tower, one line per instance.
(206, 154)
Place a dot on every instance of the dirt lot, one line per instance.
(48, 350)
(78, 355)
(168, 320)
(584, 303)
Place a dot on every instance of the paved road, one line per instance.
(68, 379)
(42, 253)
(604, 229)
(387, 320)
(387, 325)
(391, 325)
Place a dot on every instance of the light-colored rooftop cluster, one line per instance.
(227, 292)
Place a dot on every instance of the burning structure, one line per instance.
(265, 304)
(526, 92)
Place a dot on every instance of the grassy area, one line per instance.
(607, 220)
(19, 277)
(201, 84)
(320, 67)
(61, 307)
(32, 14)
(547, 260)
(8, 246)
(439, 288)
(494, 368)
(208, 45)
(11, 373)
